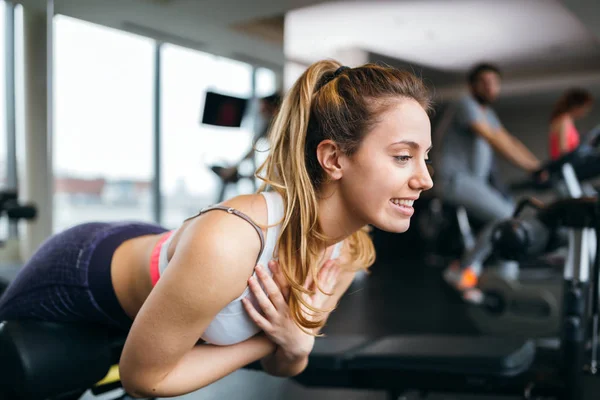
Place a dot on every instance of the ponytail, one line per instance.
(326, 102)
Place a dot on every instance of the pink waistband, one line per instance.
(154, 259)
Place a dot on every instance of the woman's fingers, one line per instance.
(258, 319)
(328, 274)
(280, 279)
(263, 301)
(272, 289)
(329, 271)
(335, 273)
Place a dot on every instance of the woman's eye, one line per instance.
(403, 158)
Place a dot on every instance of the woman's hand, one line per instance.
(275, 319)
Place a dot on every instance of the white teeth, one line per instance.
(402, 202)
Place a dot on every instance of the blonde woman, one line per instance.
(255, 277)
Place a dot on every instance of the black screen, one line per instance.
(223, 110)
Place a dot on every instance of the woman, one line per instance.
(564, 137)
(348, 150)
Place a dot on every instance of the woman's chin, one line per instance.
(395, 227)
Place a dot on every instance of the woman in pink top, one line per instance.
(572, 105)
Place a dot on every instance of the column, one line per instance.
(36, 183)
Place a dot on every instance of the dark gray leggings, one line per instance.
(68, 279)
(482, 202)
(477, 196)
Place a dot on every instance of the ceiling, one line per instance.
(537, 43)
(448, 35)
(540, 44)
(247, 30)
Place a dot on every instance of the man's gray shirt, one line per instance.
(463, 151)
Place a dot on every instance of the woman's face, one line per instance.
(388, 172)
(581, 111)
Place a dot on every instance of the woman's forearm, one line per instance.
(282, 364)
(206, 364)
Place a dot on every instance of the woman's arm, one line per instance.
(201, 366)
(285, 363)
(160, 357)
(562, 136)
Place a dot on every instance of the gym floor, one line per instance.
(397, 297)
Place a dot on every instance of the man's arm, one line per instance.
(471, 115)
(522, 149)
(508, 146)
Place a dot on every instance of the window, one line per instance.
(3, 136)
(189, 148)
(265, 82)
(103, 124)
(266, 85)
(4, 231)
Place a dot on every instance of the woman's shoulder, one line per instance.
(559, 122)
(215, 231)
(252, 205)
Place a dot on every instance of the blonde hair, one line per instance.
(326, 102)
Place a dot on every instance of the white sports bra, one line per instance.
(232, 324)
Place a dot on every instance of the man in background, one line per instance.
(465, 165)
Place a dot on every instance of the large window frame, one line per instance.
(11, 124)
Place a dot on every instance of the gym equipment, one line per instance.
(9, 247)
(57, 361)
(50, 361)
(233, 180)
(217, 169)
(522, 298)
(446, 231)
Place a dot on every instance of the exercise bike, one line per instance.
(522, 297)
(446, 231)
(233, 179)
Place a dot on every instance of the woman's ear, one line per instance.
(328, 154)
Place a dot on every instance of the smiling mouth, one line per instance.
(403, 206)
(403, 202)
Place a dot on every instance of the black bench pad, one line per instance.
(447, 354)
(43, 359)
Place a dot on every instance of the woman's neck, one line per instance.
(334, 219)
(564, 117)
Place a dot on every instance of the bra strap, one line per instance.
(240, 214)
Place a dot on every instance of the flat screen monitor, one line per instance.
(223, 110)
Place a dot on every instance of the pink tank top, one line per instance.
(572, 141)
